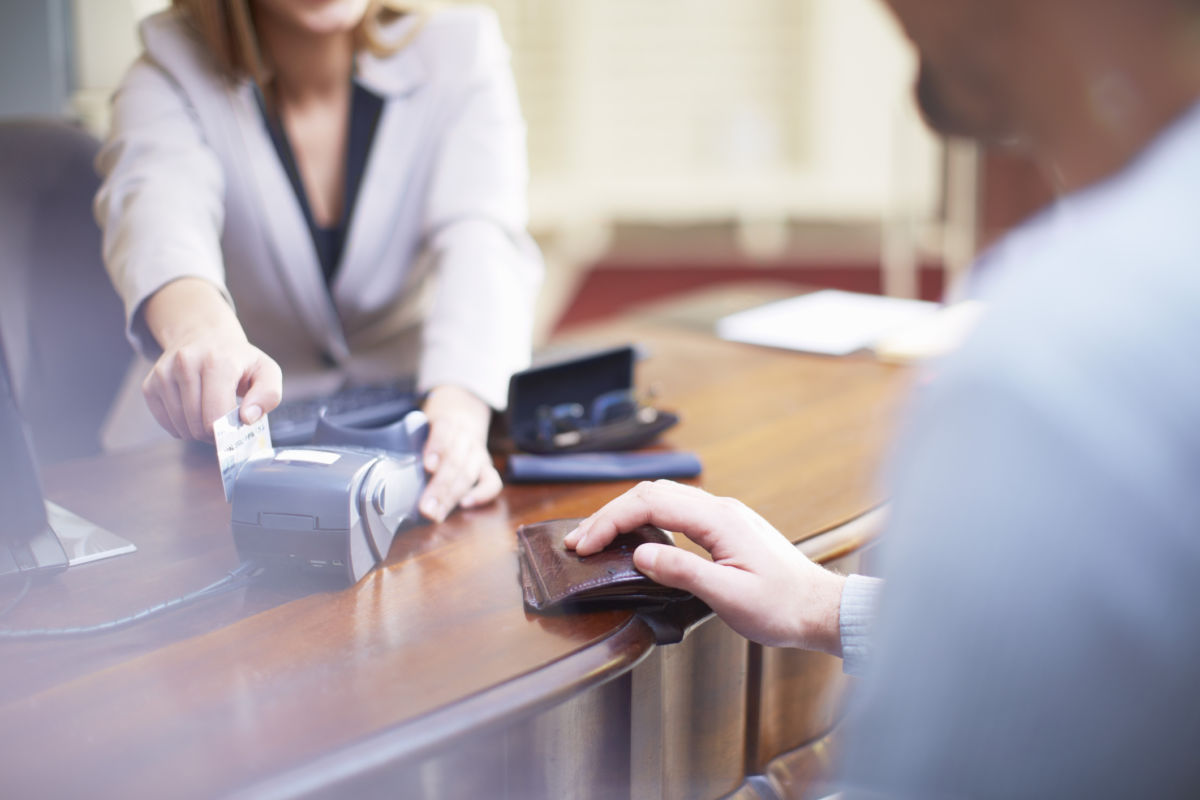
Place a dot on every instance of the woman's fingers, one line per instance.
(263, 382)
(458, 468)
(191, 387)
(486, 489)
(456, 454)
(155, 400)
(218, 392)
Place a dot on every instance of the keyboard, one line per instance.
(293, 422)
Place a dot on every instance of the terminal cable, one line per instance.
(234, 580)
(16, 601)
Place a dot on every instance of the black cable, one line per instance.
(229, 582)
(16, 601)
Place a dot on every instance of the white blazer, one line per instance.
(438, 276)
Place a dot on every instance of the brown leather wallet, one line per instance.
(553, 576)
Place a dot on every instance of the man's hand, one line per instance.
(206, 362)
(758, 582)
(456, 454)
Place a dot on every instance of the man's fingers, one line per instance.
(667, 504)
(623, 513)
(681, 569)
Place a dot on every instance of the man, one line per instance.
(1038, 635)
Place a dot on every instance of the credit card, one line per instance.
(237, 443)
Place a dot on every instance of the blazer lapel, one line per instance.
(378, 209)
(287, 233)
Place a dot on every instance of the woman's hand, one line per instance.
(206, 362)
(456, 454)
(758, 582)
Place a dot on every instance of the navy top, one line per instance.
(365, 109)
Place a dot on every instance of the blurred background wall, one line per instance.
(672, 142)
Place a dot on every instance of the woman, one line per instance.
(348, 177)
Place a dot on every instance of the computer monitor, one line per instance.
(28, 545)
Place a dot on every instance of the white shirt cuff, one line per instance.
(860, 599)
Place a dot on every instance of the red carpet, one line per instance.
(611, 288)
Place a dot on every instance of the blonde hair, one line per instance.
(227, 29)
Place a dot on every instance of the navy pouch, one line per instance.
(585, 404)
(523, 467)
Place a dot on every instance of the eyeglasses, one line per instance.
(564, 425)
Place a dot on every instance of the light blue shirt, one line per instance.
(1039, 635)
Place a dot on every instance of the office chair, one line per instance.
(61, 318)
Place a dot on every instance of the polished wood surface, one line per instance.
(429, 678)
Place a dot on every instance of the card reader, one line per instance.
(327, 510)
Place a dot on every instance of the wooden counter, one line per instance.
(429, 678)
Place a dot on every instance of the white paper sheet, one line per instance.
(830, 322)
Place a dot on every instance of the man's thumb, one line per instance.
(678, 568)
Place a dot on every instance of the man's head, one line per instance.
(965, 46)
(1047, 72)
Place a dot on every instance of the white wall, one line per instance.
(695, 110)
(105, 44)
